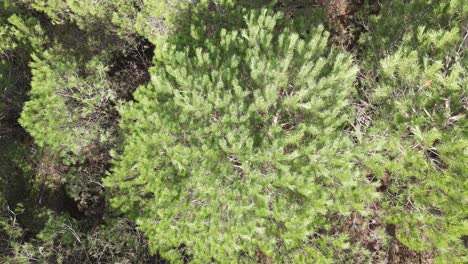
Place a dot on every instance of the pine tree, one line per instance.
(237, 147)
(416, 142)
(64, 113)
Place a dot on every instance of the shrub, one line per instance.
(415, 143)
(65, 112)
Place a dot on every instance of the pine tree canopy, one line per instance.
(233, 144)
(233, 131)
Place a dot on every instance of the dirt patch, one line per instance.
(399, 253)
(130, 70)
(340, 17)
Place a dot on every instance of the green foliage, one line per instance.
(405, 23)
(90, 15)
(417, 140)
(10, 230)
(247, 144)
(15, 24)
(151, 19)
(190, 21)
(6, 10)
(65, 111)
(15, 171)
(70, 117)
(237, 145)
(65, 240)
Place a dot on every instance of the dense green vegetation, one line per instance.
(287, 131)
